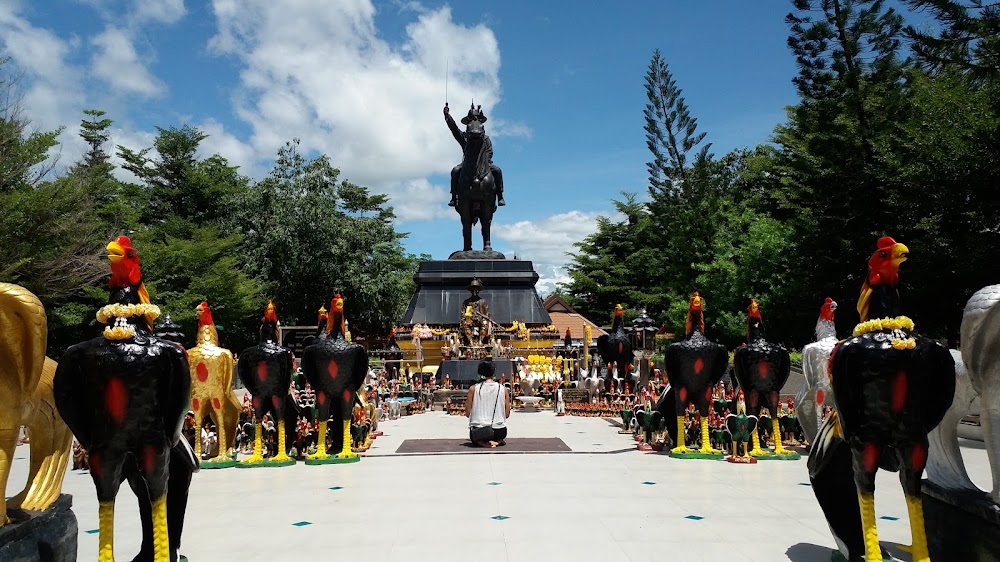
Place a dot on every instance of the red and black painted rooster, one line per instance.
(694, 366)
(123, 394)
(891, 388)
(761, 368)
(266, 371)
(336, 369)
(616, 350)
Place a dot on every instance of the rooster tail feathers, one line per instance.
(863, 301)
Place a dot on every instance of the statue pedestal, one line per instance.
(508, 287)
(44, 536)
(961, 524)
(465, 372)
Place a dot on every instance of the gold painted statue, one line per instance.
(26, 399)
(212, 395)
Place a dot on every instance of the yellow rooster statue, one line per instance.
(212, 369)
(26, 399)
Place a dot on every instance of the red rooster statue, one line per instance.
(762, 367)
(336, 370)
(123, 394)
(891, 387)
(694, 366)
(266, 371)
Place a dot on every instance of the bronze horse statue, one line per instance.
(476, 190)
(476, 184)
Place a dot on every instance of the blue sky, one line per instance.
(561, 82)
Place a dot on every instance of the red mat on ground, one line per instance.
(513, 445)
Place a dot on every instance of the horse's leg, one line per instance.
(486, 220)
(467, 230)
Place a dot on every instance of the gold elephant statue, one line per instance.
(26, 400)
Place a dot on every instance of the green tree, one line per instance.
(614, 265)
(969, 37)
(24, 154)
(311, 235)
(671, 132)
(184, 234)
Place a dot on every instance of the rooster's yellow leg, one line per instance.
(779, 449)
(321, 444)
(161, 544)
(873, 553)
(680, 448)
(346, 452)
(282, 451)
(106, 531)
(258, 455)
(197, 438)
(706, 444)
(915, 507)
(223, 452)
(756, 451)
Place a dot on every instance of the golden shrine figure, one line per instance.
(26, 398)
(212, 393)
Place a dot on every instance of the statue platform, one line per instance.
(508, 287)
(465, 372)
(962, 524)
(37, 536)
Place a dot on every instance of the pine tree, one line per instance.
(671, 132)
(969, 38)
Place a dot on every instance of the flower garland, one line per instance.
(114, 315)
(879, 324)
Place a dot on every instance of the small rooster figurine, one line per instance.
(891, 388)
(741, 429)
(762, 367)
(266, 371)
(212, 388)
(336, 369)
(123, 394)
(694, 366)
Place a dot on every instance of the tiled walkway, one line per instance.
(602, 502)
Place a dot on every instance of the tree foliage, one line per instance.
(883, 141)
(312, 235)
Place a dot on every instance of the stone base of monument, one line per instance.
(961, 524)
(508, 287)
(48, 536)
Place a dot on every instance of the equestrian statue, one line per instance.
(476, 183)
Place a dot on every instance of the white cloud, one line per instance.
(117, 62)
(322, 72)
(164, 11)
(547, 241)
(227, 145)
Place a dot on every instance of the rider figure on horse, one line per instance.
(475, 114)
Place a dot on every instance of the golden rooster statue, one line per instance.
(26, 399)
(212, 369)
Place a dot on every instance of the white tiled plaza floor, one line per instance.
(603, 502)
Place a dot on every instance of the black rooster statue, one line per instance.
(891, 388)
(761, 368)
(266, 371)
(123, 394)
(694, 366)
(336, 369)
(616, 351)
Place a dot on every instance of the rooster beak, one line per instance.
(899, 253)
(115, 252)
